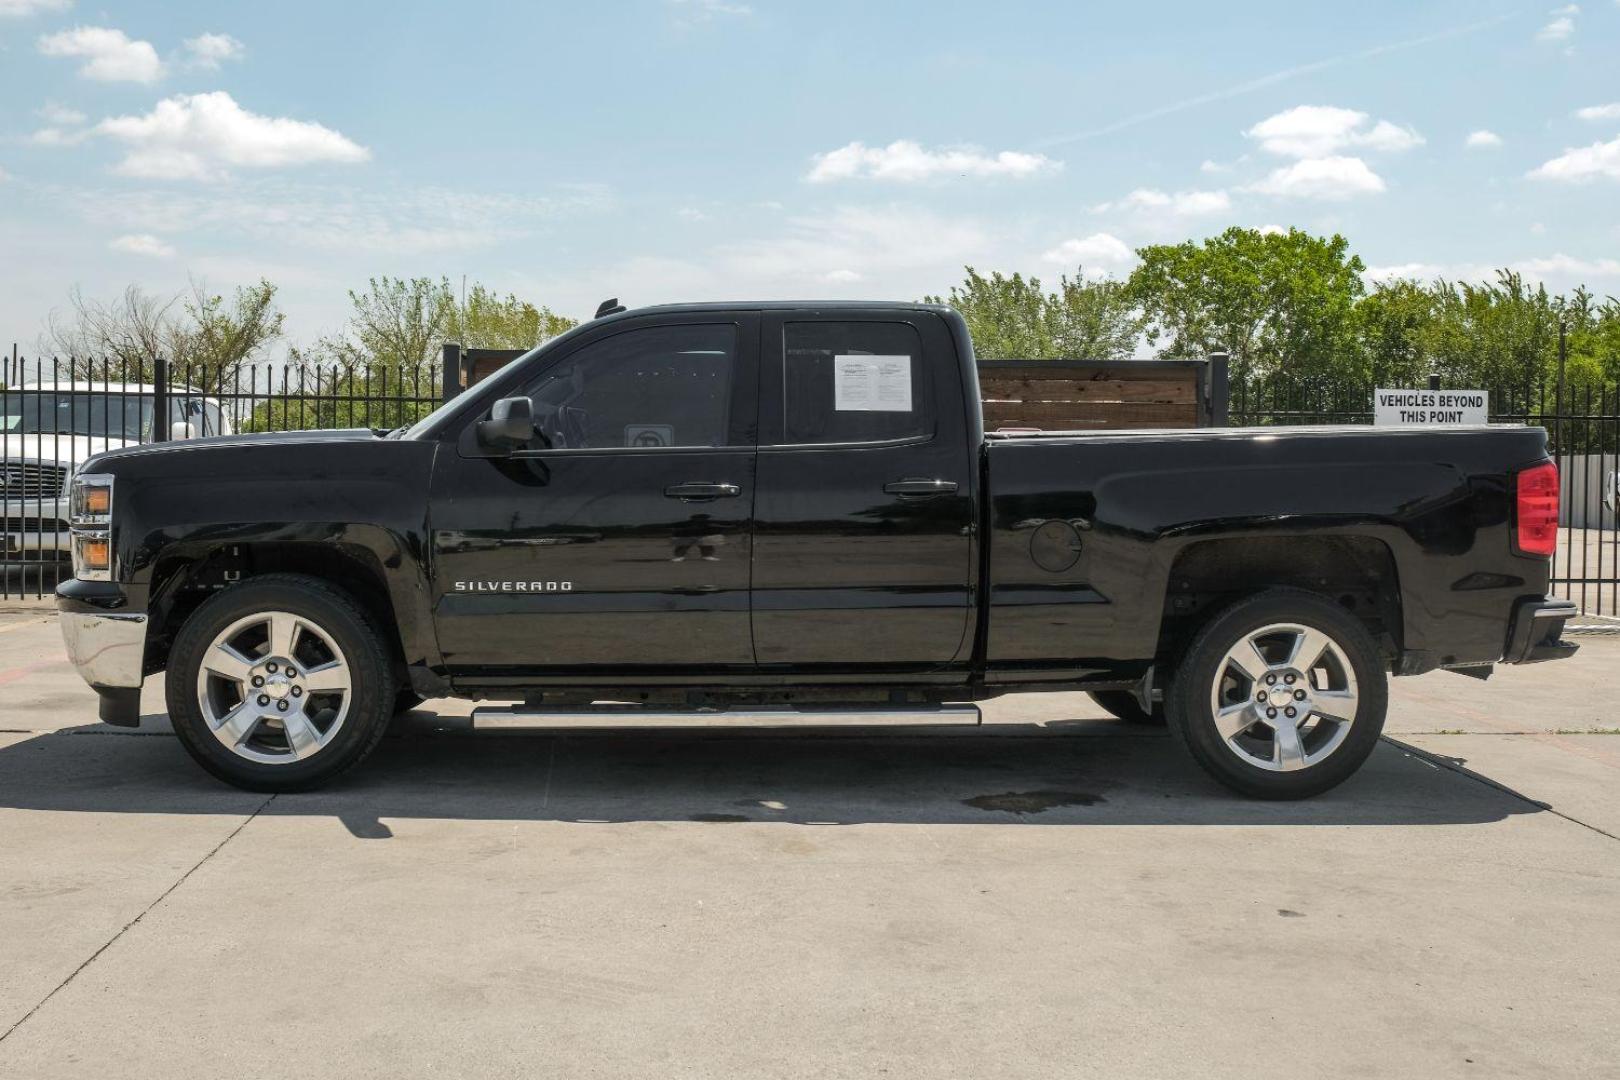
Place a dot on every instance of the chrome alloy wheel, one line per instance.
(1284, 697)
(274, 687)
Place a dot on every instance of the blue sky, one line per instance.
(661, 150)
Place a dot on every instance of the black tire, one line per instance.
(1123, 704)
(1191, 710)
(371, 672)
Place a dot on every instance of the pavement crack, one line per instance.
(127, 927)
(1442, 762)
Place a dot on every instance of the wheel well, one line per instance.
(180, 584)
(1356, 572)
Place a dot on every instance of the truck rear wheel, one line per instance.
(1123, 704)
(279, 684)
(1280, 696)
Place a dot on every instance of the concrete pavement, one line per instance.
(1053, 894)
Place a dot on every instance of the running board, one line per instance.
(487, 718)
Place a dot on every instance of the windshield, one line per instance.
(43, 412)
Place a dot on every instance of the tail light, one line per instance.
(1535, 498)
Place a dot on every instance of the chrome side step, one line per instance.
(492, 718)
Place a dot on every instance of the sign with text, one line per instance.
(1434, 408)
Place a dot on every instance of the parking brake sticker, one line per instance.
(872, 383)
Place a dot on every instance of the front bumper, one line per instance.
(1535, 631)
(109, 649)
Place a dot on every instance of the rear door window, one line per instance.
(854, 382)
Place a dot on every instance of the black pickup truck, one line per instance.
(793, 509)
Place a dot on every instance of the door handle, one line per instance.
(701, 491)
(919, 489)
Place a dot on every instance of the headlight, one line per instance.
(91, 499)
(92, 555)
(90, 503)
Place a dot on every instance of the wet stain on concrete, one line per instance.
(719, 819)
(1032, 802)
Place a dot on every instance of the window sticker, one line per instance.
(872, 383)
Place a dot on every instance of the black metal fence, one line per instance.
(1583, 429)
(56, 413)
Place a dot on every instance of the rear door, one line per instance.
(864, 510)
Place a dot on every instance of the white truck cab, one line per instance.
(48, 429)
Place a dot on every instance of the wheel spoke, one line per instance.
(1289, 753)
(1309, 645)
(238, 724)
(227, 663)
(1336, 705)
(1233, 720)
(301, 734)
(283, 634)
(327, 677)
(1247, 659)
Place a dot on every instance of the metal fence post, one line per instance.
(160, 399)
(1217, 388)
(452, 370)
(1434, 380)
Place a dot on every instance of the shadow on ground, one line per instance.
(1085, 774)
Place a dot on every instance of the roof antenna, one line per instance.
(609, 307)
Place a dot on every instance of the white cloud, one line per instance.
(861, 240)
(143, 244)
(1310, 131)
(109, 55)
(16, 9)
(1326, 178)
(60, 115)
(1179, 204)
(208, 51)
(1559, 267)
(706, 10)
(905, 161)
(197, 136)
(1561, 28)
(1098, 252)
(1483, 140)
(840, 277)
(4, 176)
(1273, 230)
(691, 213)
(1580, 164)
(1611, 111)
(275, 213)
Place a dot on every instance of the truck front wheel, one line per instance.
(1281, 696)
(279, 684)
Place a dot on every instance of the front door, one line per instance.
(619, 536)
(864, 515)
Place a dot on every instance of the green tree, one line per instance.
(1277, 302)
(1500, 335)
(401, 323)
(205, 338)
(1395, 324)
(1014, 318)
(486, 320)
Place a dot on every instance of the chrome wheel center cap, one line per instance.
(1278, 697)
(278, 686)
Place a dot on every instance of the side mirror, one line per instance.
(182, 429)
(511, 421)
